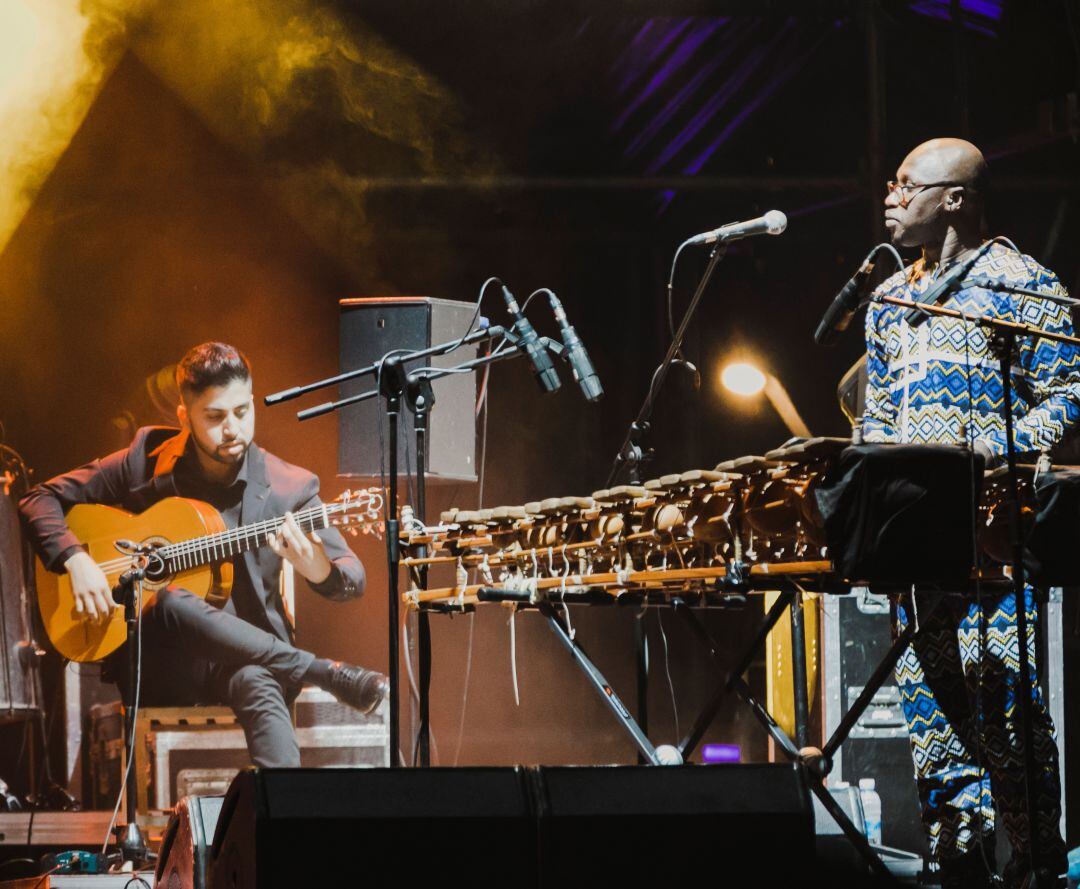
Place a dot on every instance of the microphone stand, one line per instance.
(132, 844)
(631, 453)
(395, 384)
(1003, 341)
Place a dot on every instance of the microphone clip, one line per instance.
(553, 346)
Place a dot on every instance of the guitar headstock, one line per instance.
(359, 512)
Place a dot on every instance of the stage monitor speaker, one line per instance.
(729, 825)
(185, 845)
(369, 329)
(375, 827)
(525, 827)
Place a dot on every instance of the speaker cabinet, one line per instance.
(522, 827)
(375, 827)
(185, 845)
(728, 825)
(17, 691)
(369, 329)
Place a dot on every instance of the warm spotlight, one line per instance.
(748, 381)
(743, 379)
(52, 62)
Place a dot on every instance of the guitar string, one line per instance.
(210, 545)
(244, 534)
(210, 542)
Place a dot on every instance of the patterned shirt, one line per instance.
(940, 381)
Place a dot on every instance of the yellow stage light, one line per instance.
(747, 380)
(743, 379)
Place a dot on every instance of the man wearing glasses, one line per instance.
(937, 380)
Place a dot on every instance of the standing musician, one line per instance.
(193, 653)
(938, 381)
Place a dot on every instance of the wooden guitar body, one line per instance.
(171, 520)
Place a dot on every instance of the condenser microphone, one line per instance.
(543, 369)
(949, 281)
(845, 304)
(580, 365)
(772, 223)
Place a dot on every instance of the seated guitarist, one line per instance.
(242, 654)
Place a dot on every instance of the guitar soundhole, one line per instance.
(157, 568)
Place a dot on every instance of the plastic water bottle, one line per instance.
(871, 803)
(1074, 868)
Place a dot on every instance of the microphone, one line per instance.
(772, 223)
(948, 281)
(845, 304)
(1004, 286)
(580, 365)
(543, 369)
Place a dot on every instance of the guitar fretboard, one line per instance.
(212, 548)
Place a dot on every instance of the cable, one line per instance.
(476, 313)
(13, 861)
(483, 439)
(465, 689)
(41, 879)
(892, 251)
(46, 737)
(414, 689)
(670, 296)
(410, 482)
(482, 404)
(137, 592)
(667, 670)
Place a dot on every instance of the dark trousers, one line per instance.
(193, 653)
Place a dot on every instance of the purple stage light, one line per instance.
(702, 76)
(712, 107)
(763, 95)
(715, 753)
(639, 55)
(977, 15)
(683, 51)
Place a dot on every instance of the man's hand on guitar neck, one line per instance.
(304, 552)
(90, 586)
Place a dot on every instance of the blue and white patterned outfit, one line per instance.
(940, 382)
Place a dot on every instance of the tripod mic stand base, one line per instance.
(132, 845)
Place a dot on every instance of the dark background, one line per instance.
(551, 146)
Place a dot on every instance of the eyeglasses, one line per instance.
(910, 190)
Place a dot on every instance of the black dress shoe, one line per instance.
(357, 687)
(975, 869)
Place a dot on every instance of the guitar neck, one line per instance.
(213, 548)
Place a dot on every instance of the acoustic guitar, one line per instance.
(184, 542)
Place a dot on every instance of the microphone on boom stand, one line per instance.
(543, 369)
(772, 223)
(580, 364)
(947, 282)
(845, 304)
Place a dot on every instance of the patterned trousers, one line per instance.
(959, 684)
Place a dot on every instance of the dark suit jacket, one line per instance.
(137, 477)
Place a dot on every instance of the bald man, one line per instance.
(938, 381)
